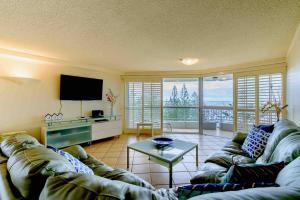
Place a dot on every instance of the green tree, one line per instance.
(174, 100)
(194, 99)
(184, 96)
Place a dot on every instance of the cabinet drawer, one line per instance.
(106, 129)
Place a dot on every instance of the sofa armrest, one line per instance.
(270, 193)
(239, 137)
(77, 151)
(207, 177)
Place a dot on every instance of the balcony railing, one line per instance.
(185, 118)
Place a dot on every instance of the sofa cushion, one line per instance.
(77, 151)
(207, 177)
(79, 166)
(227, 159)
(233, 147)
(288, 149)
(16, 142)
(281, 130)
(103, 170)
(30, 168)
(99, 168)
(7, 189)
(250, 173)
(269, 193)
(290, 175)
(239, 138)
(127, 177)
(188, 191)
(256, 141)
(266, 127)
(70, 186)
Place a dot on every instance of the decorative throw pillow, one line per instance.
(250, 173)
(79, 166)
(255, 142)
(189, 191)
(267, 128)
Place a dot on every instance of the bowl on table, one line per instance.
(162, 141)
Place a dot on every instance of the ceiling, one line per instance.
(144, 35)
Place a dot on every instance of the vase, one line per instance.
(111, 110)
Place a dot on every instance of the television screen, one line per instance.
(80, 88)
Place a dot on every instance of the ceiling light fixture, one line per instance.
(189, 61)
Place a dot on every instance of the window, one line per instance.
(143, 103)
(252, 92)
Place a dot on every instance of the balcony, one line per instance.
(217, 120)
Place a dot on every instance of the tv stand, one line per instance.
(82, 130)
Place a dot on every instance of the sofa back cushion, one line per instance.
(16, 142)
(253, 173)
(290, 174)
(83, 186)
(288, 149)
(29, 169)
(281, 130)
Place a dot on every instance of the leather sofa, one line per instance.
(283, 145)
(28, 170)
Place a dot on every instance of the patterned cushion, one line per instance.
(249, 173)
(189, 191)
(79, 166)
(255, 143)
(266, 127)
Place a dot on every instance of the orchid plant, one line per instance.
(111, 98)
(276, 105)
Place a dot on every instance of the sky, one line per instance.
(212, 90)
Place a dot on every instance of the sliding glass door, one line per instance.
(213, 105)
(181, 105)
(218, 105)
(198, 105)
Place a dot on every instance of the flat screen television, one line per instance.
(80, 88)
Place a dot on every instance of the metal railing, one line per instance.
(188, 117)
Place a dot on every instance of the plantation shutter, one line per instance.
(152, 103)
(254, 91)
(246, 102)
(270, 89)
(143, 103)
(134, 103)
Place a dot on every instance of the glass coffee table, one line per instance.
(167, 156)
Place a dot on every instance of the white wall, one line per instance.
(23, 106)
(293, 79)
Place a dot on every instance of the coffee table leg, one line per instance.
(170, 175)
(127, 158)
(197, 155)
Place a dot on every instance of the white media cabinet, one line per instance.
(77, 131)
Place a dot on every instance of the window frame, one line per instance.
(257, 74)
(144, 80)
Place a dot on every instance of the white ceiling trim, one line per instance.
(11, 54)
(215, 70)
(293, 41)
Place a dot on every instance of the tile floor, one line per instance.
(113, 152)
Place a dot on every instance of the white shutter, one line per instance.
(134, 104)
(246, 102)
(143, 103)
(252, 92)
(152, 103)
(270, 88)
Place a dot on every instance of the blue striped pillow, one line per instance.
(79, 166)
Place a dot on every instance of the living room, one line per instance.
(150, 99)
